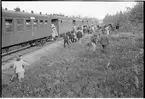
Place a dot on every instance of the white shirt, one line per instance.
(18, 65)
(107, 29)
(75, 28)
(52, 25)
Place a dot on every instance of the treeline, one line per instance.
(131, 20)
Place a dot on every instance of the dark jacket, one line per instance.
(104, 40)
(66, 37)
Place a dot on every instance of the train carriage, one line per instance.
(20, 27)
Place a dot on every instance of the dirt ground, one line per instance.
(77, 72)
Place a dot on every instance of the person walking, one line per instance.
(19, 71)
(66, 40)
(104, 41)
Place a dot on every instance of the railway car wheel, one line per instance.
(48, 39)
(37, 42)
(43, 42)
(3, 51)
(7, 50)
(31, 44)
(24, 44)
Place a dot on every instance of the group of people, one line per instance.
(98, 35)
(73, 36)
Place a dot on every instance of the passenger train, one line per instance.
(23, 28)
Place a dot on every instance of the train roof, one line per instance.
(65, 18)
(60, 17)
(10, 13)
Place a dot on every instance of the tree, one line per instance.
(130, 20)
(137, 14)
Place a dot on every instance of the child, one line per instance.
(104, 40)
(18, 65)
(66, 39)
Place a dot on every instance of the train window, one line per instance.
(9, 25)
(28, 24)
(35, 22)
(20, 24)
(41, 21)
(46, 21)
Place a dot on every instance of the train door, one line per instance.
(35, 27)
(56, 23)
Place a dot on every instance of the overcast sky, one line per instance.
(89, 9)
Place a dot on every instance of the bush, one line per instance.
(129, 21)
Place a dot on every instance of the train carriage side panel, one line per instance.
(35, 26)
(60, 23)
(78, 22)
(27, 33)
(70, 24)
(44, 29)
(8, 32)
(41, 27)
(65, 25)
(60, 26)
(17, 36)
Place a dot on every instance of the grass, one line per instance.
(78, 72)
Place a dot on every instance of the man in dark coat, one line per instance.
(79, 34)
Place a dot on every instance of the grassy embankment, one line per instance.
(77, 72)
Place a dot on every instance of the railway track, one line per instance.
(16, 50)
(6, 57)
